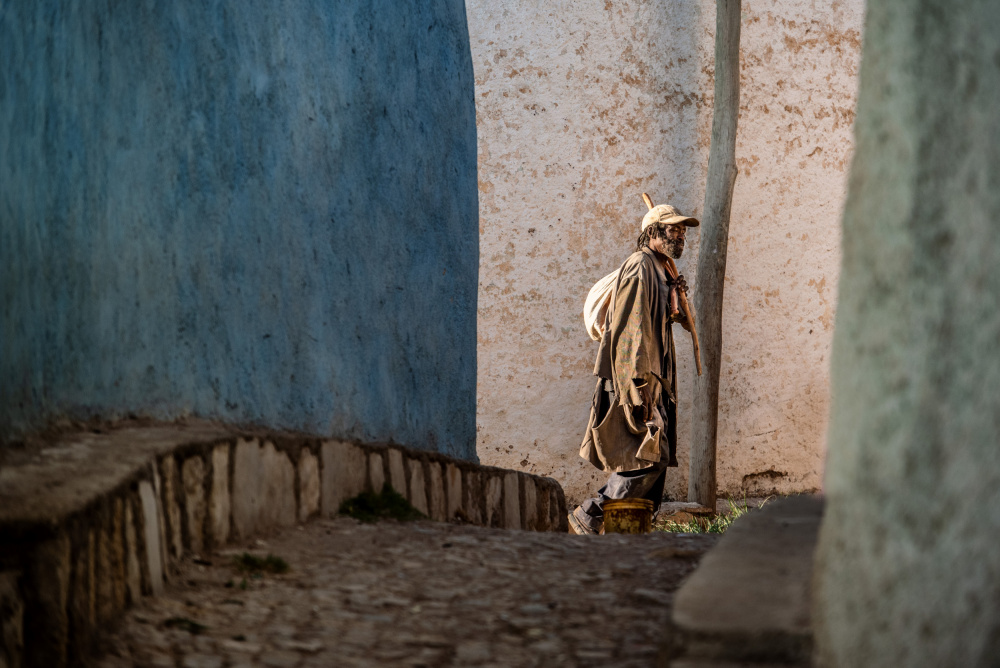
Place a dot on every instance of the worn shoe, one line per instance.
(578, 527)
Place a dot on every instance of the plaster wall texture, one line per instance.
(251, 211)
(583, 106)
(908, 569)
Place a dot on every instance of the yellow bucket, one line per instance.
(628, 516)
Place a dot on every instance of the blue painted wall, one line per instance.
(256, 211)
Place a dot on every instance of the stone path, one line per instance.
(417, 594)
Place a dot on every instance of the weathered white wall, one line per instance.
(581, 107)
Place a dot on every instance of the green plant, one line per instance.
(247, 563)
(714, 524)
(387, 504)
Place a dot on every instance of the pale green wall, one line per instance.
(909, 559)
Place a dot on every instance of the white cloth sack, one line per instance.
(595, 310)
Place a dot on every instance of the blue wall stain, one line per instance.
(249, 211)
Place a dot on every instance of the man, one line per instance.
(634, 415)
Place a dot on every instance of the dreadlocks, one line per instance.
(655, 230)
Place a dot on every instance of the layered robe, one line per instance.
(636, 353)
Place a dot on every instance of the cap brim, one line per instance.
(687, 221)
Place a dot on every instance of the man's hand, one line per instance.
(682, 287)
(681, 283)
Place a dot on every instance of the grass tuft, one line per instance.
(250, 564)
(716, 524)
(387, 504)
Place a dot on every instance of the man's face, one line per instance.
(672, 242)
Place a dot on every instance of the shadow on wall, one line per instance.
(682, 108)
(685, 116)
(246, 211)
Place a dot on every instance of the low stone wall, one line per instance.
(90, 524)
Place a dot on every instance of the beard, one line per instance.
(675, 248)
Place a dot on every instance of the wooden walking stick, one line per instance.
(682, 298)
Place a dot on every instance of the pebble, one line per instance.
(417, 594)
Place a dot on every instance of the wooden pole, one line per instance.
(711, 273)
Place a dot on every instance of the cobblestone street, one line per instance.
(416, 594)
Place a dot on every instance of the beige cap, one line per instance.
(668, 215)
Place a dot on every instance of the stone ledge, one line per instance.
(748, 603)
(42, 487)
(11, 619)
(93, 521)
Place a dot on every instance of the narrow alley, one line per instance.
(415, 594)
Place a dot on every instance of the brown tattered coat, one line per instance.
(636, 351)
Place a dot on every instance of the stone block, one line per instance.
(308, 471)
(83, 595)
(161, 524)
(193, 478)
(472, 502)
(344, 474)
(263, 493)
(247, 484)
(133, 572)
(376, 472)
(109, 566)
(557, 510)
(118, 573)
(750, 597)
(171, 508)
(397, 471)
(453, 489)
(11, 620)
(544, 512)
(278, 492)
(494, 498)
(88, 560)
(219, 499)
(151, 535)
(511, 501)
(436, 500)
(104, 577)
(418, 487)
(46, 618)
(530, 519)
